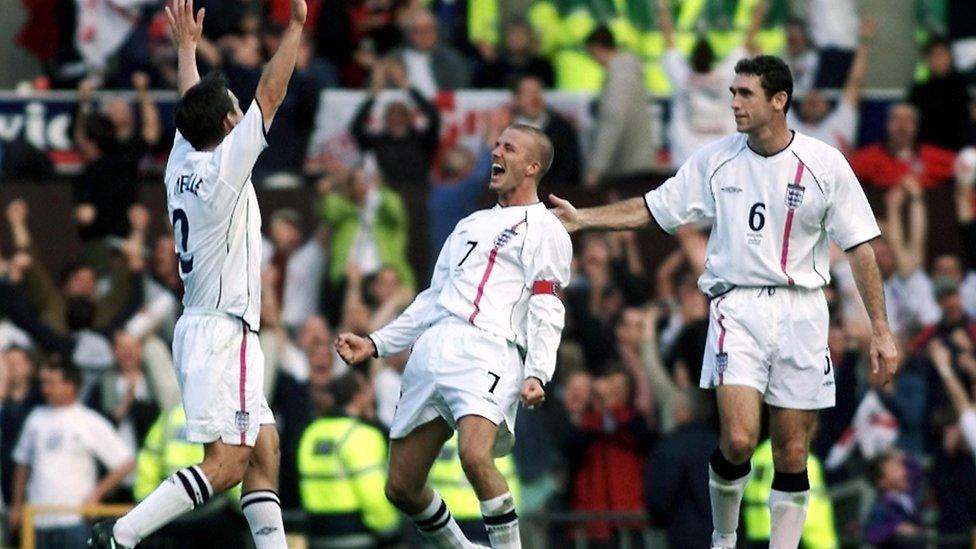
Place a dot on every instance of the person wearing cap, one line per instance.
(955, 329)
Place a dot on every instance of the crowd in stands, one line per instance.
(87, 385)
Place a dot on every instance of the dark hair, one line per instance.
(515, 81)
(69, 371)
(545, 151)
(80, 313)
(876, 467)
(601, 36)
(774, 75)
(935, 41)
(200, 113)
(345, 388)
(702, 56)
(100, 130)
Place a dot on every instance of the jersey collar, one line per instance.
(775, 154)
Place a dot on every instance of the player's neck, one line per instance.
(771, 138)
(523, 195)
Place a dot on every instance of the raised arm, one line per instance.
(867, 276)
(755, 25)
(151, 127)
(274, 80)
(941, 358)
(666, 23)
(187, 30)
(855, 76)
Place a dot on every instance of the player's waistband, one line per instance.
(768, 291)
(203, 311)
(452, 319)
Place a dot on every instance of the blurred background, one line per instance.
(380, 148)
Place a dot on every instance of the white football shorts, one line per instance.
(220, 368)
(775, 341)
(456, 369)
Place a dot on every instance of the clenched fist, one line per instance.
(532, 392)
(353, 348)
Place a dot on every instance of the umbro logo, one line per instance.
(731, 189)
(266, 531)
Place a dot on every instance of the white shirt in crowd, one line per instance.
(911, 302)
(772, 214)
(838, 129)
(485, 275)
(804, 68)
(833, 24)
(700, 111)
(217, 222)
(102, 26)
(301, 284)
(61, 446)
(967, 290)
(419, 71)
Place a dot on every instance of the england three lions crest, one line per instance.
(505, 237)
(794, 196)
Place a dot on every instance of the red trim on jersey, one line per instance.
(544, 287)
(484, 278)
(243, 377)
(789, 227)
(721, 336)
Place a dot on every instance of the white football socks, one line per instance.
(262, 509)
(184, 490)
(501, 521)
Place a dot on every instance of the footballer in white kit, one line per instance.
(776, 199)
(483, 336)
(217, 229)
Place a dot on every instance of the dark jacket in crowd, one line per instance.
(943, 107)
(404, 162)
(566, 151)
(676, 484)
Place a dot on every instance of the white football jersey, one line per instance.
(499, 270)
(772, 215)
(217, 222)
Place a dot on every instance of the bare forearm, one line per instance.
(957, 393)
(855, 77)
(187, 74)
(110, 481)
(869, 285)
(918, 220)
(667, 24)
(21, 474)
(21, 236)
(626, 214)
(151, 128)
(274, 80)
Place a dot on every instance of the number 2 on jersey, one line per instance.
(186, 259)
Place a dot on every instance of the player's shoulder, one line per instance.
(718, 153)
(819, 157)
(547, 225)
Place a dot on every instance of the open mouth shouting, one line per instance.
(497, 170)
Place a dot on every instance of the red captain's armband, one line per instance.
(545, 287)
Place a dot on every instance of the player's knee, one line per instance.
(400, 495)
(475, 462)
(790, 456)
(226, 471)
(739, 445)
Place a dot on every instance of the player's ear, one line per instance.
(779, 100)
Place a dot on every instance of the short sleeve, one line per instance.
(105, 443)
(236, 155)
(684, 198)
(24, 450)
(849, 221)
